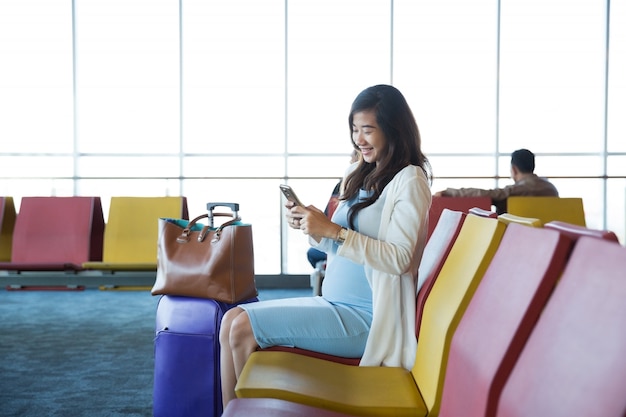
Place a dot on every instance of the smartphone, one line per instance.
(290, 195)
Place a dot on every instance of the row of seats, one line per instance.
(30, 241)
(80, 220)
(546, 209)
(516, 318)
(70, 234)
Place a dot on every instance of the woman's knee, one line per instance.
(225, 326)
(241, 332)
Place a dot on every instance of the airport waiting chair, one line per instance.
(435, 253)
(485, 345)
(573, 362)
(483, 213)
(474, 350)
(130, 237)
(481, 356)
(501, 316)
(56, 234)
(548, 209)
(463, 204)
(273, 407)
(7, 224)
(575, 231)
(528, 221)
(385, 391)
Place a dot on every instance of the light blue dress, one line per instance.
(336, 323)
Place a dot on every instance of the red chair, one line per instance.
(56, 234)
(500, 317)
(463, 204)
(573, 362)
(575, 231)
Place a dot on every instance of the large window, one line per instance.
(225, 100)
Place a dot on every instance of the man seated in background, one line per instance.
(527, 183)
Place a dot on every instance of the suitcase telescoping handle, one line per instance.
(234, 207)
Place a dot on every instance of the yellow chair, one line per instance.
(386, 391)
(547, 209)
(509, 218)
(7, 223)
(131, 232)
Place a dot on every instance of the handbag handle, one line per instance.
(184, 236)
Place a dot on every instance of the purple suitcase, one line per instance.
(186, 357)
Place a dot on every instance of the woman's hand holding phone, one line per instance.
(293, 219)
(310, 220)
(290, 195)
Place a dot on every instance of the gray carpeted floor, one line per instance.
(80, 353)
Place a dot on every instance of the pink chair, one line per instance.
(576, 231)
(486, 362)
(56, 234)
(573, 362)
(499, 318)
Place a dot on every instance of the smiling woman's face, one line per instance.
(368, 136)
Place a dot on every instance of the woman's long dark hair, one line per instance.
(403, 145)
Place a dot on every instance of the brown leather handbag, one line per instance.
(204, 261)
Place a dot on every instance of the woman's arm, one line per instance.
(403, 223)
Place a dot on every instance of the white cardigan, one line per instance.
(391, 263)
